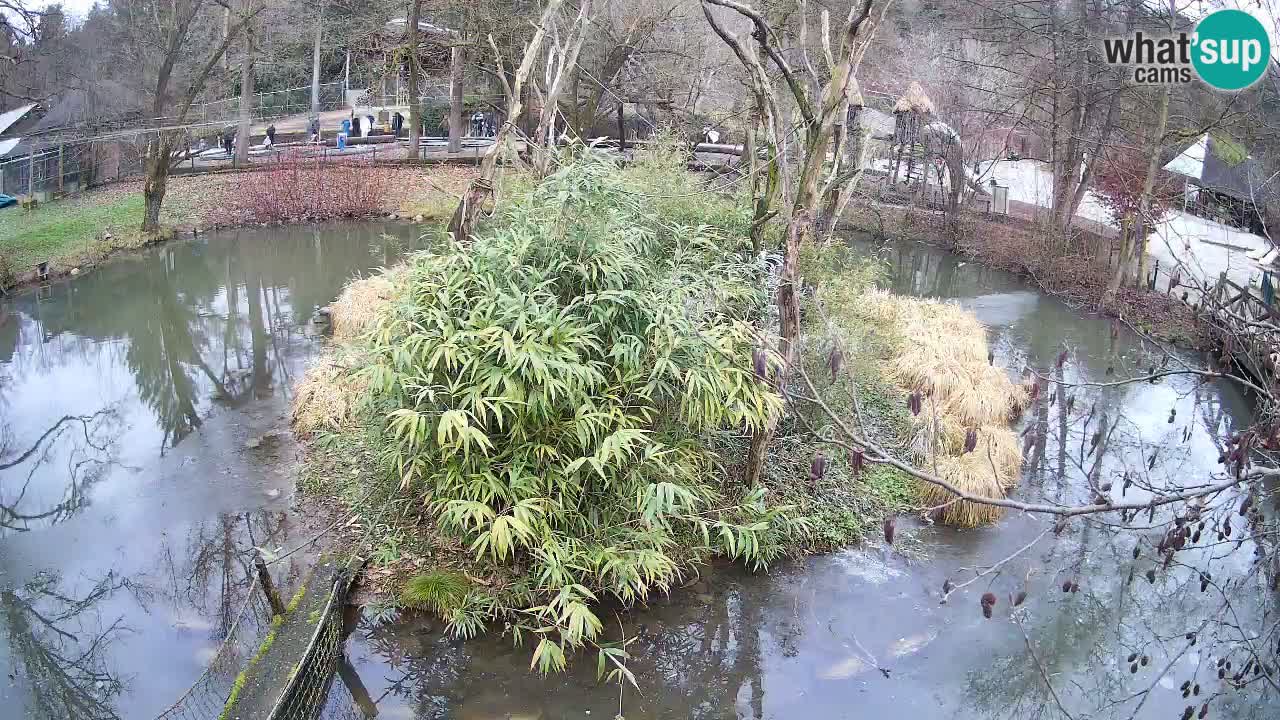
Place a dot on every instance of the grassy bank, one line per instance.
(85, 229)
(63, 232)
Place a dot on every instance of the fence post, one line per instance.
(268, 586)
(31, 174)
(60, 173)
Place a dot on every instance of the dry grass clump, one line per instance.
(943, 356)
(327, 396)
(359, 303)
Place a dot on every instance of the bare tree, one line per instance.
(480, 193)
(817, 120)
(176, 48)
(562, 61)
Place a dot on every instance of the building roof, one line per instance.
(7, 119)
(8, 144)
(1207, 163)
(914, 100)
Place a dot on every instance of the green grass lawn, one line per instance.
(64, 231)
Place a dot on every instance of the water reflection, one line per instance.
(142, 458)
(59, 647)
(86, 442)
(860, 633)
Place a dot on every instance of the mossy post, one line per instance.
(268, 585)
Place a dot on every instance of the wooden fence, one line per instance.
(1243, 321)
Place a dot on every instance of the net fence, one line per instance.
(207, 696)
(307, 692)
(54, 170)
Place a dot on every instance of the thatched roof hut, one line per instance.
(914, 100)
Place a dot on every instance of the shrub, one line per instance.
(551, 392)
(1120, 182)
(314, 189)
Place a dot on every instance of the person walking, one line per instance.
(271, 135)
(315, 129)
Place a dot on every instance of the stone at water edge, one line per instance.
(273, 494)
(263, 439)
(75, 271)
(419, 218)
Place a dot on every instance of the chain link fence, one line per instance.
(240, 676)
(47, 171)
(52, 170)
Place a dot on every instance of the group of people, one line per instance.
(227, 140)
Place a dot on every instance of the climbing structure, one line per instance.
(911, 113)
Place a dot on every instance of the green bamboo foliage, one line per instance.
(551, 389)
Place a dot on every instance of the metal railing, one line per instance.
(277, 103)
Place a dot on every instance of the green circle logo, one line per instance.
(1232, 50)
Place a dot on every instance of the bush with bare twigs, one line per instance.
(310, 189)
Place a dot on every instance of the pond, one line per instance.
(144, 449)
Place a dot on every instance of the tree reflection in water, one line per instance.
(61, 649)
(83, 446)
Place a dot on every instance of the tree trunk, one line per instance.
(457, 60)
(826, 215)
(156, 182)
(1154, 144)
(1133, 248)
(246, 101)
(415, 8)
(315, 63)
(1123, 261)
(765, 198)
